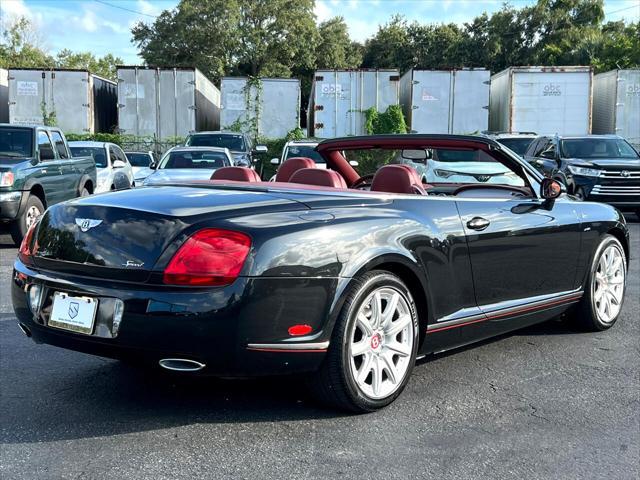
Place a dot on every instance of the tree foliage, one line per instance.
(20, 47)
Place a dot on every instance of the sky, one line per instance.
(104, 26)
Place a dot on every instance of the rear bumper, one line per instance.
(239, 330)
(10, 203)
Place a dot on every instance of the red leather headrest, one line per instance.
(397, 179)
(291, 166)
(237, 174)
(317, 176)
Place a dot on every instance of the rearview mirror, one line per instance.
(415, 155)
(550, 189)
(275, 161)
(119, 164)
(261, 149)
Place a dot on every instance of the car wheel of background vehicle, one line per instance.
(85, 192)
(579, 194)
(373, 345)
(603, 296)
(32, 210)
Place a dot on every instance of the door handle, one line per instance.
(478, 223)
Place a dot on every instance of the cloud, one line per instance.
(14, 8)
(146, 7)
(322, 11)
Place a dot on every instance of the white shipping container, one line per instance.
(4, 95)
(270, 109)
(339, 99)
(166, 102)
(545, 100)
(81, 102)
(616, 104)
(451, 101)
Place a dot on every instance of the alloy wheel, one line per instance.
(609, 284)
(32, 215)
(381, 343)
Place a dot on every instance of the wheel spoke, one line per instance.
(376, 310)
(365, 368)
(363, 323)
(615, 265)
(598, 293)
(398, 348)
(361, 347)
(376, 380)
(397, 326)
(390, 310)
(613, 300)
(387, 361)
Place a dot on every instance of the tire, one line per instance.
(85, 192)
(341, 381)
(592, 314)
(32, 210)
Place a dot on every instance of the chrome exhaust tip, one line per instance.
(181, 365)
(24, 329)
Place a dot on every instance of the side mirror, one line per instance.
(551, 189)
(261, 149)
(275, 161)
(353, 163)
(119, 164)
(153, 165)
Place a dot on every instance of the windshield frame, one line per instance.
(87, 147)
(618, 141)
(31, 134)
(238, 136)
(167, 156)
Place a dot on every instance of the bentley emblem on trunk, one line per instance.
(86, 223)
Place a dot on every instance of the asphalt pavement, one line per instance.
(544, 402)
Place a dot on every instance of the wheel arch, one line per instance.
(37, 190)
(620, 235)
(415, 280)
(87, 182)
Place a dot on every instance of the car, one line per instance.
(457, 166)
(114, 170)
(342, 277)
(301, 148)
(516, 141)
(239, 144)
(142, 163)
(602, 168)
(189, 163)
(36, 171)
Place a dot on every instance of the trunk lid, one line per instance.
(121, 235)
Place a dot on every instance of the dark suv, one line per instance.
(601, 168)
(239, 144)
(37, 170)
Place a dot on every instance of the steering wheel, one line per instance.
(362, 182)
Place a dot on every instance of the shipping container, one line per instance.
(4, 95)
(339, 99)
(267, 107)
(166, 102)
(449, 101)
(545, 100)
(616, 104)
(77, 101)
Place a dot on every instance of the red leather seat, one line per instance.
(237, 174)
(291, 166)
(397, 179)
(320, 177)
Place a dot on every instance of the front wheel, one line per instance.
(373, 347)
(604, 291)
(32, 210)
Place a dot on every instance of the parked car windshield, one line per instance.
(230, 141)
(16, 142)
(597, 148)
(195, 159)
(304, 151)
(98, 153)
(139, 159)
(518, 145)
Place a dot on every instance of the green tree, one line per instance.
(104, 66)
(619, 46)
(240, 37)
(335, 49)
(19, 46)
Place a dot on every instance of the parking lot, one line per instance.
(544, 402)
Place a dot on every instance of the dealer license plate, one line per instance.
(76, 314)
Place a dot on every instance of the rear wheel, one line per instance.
(33, 209)
(604, 292)
(373, 346)
(85, 192)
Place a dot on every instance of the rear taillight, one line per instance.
(209, 257)
(27, 247)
